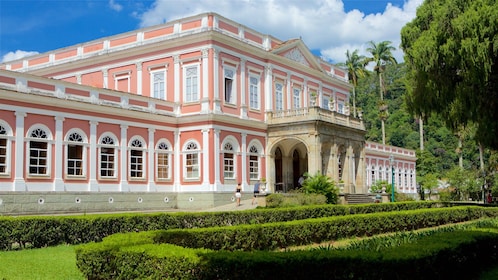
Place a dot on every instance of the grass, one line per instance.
(48, 263)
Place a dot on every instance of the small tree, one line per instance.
(429, 183)
(321, 184)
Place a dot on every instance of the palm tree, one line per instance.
(381, 56)
(355, 64)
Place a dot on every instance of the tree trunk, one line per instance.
(354, 101)
(421, 131)
(383, 132)
(460, 153)
(381, 88)
(481, 157)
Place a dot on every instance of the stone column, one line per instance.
(139, 77)
(176, 75)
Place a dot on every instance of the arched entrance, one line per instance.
(290, 161)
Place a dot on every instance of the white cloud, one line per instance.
(17, 55)
(115, 6)
(322, 24)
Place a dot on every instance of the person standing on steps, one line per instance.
(238, 193)
(256, 191)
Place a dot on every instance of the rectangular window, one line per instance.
(158, 84)
(136, 164)
(279, 97)
(296, 98)
(253, 167)
(122, 82)
(38, 158)
(162, 166)
(254, 92)
(325, 102)
(229, 75)
(3, 156)
(228, 166)
(340, 107)
(107, 162)
(192, 166)
(192, 83)
(75, 160)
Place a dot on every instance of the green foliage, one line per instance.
(465, 184)
(321, 184)
(294, 199)
(380, 186)
(451, 51)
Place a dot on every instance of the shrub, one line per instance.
(321, 184)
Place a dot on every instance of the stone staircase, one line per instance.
(359, 198)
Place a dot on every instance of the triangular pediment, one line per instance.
(297, 51)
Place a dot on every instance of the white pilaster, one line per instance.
(139, 76)
(243, 95)
(178, 165)
(123, 186)
(151, 167)
(216, 154)
(245, 184)
(176, 75)
(58, 181)
(105, 73)
(19, 183)
(216, 82)
(268, 94)
(205, 159)
(93, 183)
(205, 82)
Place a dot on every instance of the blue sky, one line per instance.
(328, 27)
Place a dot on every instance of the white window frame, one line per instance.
(5, 150)
(191, 92)
(325, 102)
(254, 164)
(137, 158)
(122, 76)
(296, 97)
(72, 140)
(254, 91)
(191, 161)
(229, 161)
(229, 95)
(340, 107)
(105, 143)
(39, 134)
(279, 96)
(163, 149)
(161, 94)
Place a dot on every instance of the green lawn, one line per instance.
(40, 264)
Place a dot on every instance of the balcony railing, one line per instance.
(313, 114)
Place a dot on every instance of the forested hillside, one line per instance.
(440, 155)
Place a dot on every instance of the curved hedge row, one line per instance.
(146, 254)
(43, 231)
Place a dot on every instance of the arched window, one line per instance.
(5, 146)
(75, 156)
(136, 155)
(254, 163)
(228, 161)
(39, 152)
(191, 168)
(163, 154)
(108, 155)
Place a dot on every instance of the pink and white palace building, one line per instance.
(175, 115)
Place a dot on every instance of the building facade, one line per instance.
(192, 106)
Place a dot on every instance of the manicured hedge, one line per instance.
(43, 231)
(144, 255)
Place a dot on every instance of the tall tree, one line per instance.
(381, 57)
(451, 49)
(355, 64)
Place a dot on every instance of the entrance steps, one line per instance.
(358, 198)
